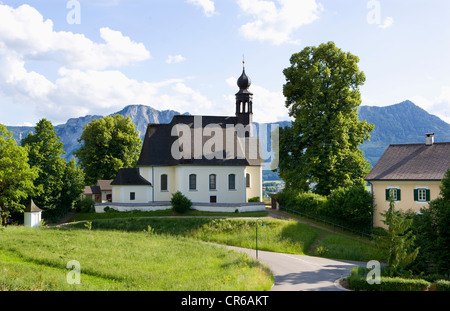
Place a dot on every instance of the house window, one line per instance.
(109, 197)
(192, 182)
(421, 195)
(212, 182)
(163, 182)
(232, 182)
(213, 199)
(247, 180)
(132, 196)
(393, 193)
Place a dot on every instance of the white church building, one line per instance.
(215, 161)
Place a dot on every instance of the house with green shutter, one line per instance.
(410, 174)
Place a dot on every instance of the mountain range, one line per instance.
(396, 124)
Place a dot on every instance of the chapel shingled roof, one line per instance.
(32, 208)
(412, 162)
(130, 177)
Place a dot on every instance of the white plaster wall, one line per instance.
(255, 189)
(32, 220)
(203, 193)
(121, 194)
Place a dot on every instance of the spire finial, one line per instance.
(243, 61)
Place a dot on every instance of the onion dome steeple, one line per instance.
(244, 81)
(244, 99)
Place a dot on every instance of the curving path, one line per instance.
(303, 273)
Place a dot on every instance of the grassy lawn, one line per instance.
(276, 235)
(36, 259)
(130, 251)
(170, 212)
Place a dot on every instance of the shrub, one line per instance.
(87, 205)
(352, 206)
(254, 199)
(180, 203)
(303, 202)
(108, 209)
(443, 285)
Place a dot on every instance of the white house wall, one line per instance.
(255, 189)
(122, 194)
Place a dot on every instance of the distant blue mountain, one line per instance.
(403, 123)
(396, 124)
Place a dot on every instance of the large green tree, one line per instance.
(321, 146)
(61, 182)
(16, 175)
(107, 145)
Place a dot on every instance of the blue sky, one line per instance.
(61, 59)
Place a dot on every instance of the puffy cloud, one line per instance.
(24, 32)
(87, 81)
(175, 59)
(207, 6)
(276, 23)
(268, 106)
(438, 106)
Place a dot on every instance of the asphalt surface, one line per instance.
(303, 273)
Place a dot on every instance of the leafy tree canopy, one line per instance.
(60, 182)
(108, 144)
(16, 175)
(322, 95)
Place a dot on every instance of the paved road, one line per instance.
(303, 273)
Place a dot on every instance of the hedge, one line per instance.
(443, 285)
(351, 207)
(357, 281)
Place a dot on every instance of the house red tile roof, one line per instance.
(412, 162)
(105, 185)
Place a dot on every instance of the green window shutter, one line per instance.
(399, 197)
(416, 194)
(387, 194)
(428, 195)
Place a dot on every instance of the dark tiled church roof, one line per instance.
(158, 144)
(412, 162)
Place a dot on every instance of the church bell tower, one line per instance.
(244, 100)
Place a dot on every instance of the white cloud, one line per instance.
(276, 23)
(207, 6)
(268, 106)
(24, 33)
(387, 23)
(438, 106)
(87, 81)
(175, 59)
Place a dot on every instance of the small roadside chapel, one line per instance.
(32, 215)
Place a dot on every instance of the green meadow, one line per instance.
(160, 254)
(36, 259)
